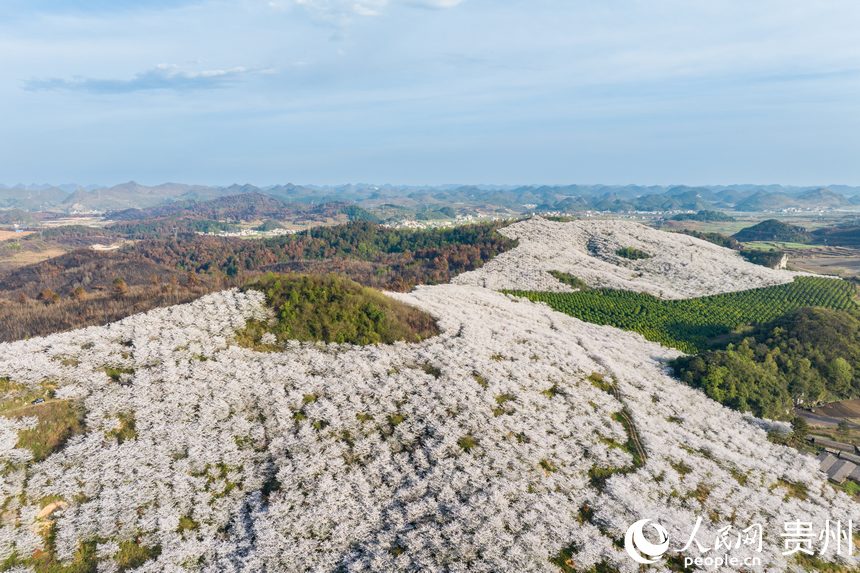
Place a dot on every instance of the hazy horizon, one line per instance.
(263, 186)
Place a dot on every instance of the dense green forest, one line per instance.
(773, 230)
(715, 238)
(691, 325)
(704, 215)
(843, 236)
(330, 308)
(763, 350)
(808, 356)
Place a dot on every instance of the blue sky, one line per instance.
(430, 91)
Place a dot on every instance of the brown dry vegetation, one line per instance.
(79, 288)
(31, 317)
(24, 258)
(5, 235)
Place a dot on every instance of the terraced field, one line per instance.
(689, 324)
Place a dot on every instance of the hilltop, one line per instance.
(671, 265)
(331, 309)
(773, 230)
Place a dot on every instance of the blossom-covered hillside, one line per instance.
(519, 439)
(598, 252)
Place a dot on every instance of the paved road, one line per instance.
(821, 420)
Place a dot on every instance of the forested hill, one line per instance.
(809, 356)
(80, 288)
(331, 309)
(773, 230)
(843, 236)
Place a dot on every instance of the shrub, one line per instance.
(57, 422)
(132, 555)
(125, 429)
(632, 253)
(467, 443)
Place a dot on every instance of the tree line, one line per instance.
(67, 291)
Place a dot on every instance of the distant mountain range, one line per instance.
(70, 198)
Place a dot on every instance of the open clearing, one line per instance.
(838, 261)
(676, 266)
(6, 235)
(22, 258)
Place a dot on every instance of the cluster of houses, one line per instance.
(840, 461)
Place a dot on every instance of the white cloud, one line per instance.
(343, 9)
(161, 77)
(437, 3)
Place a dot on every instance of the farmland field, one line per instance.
(690, 324)
(5, 234)
(778, 245)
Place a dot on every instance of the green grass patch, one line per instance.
(795, 490)
(501, 400)
(56, 420)
(481, 380)
(630, 445)
(816, 563)
(125, 429)
(430, 369)
(186, 523)
(690, 324)
(217, 482)
(564, 560)
(547, 466)
(778, 246)
(552, 391)
(45, 560)
(600, 382)
(701, 492)
(852, 488)
(132, 555)
(680, 467)
(116, 373)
